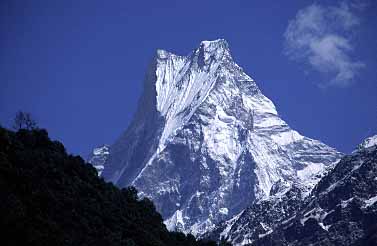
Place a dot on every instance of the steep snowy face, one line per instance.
(98, 157)
(205, 142)
(183, 83)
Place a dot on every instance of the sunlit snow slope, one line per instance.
(205, 142)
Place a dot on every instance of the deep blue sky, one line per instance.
(78, 66)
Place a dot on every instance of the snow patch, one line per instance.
(369, 142)
(224, 211)
(370, 202)
(345, 203)
(175, 222)
(310, 170)
(265, 234)
(319, 215)
(287, 137)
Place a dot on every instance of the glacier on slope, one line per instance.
(205, 142)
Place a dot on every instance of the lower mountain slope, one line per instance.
(51, 198)
(341, 209)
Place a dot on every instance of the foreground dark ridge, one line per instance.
(51, 198)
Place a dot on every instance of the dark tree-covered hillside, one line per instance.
(51, 198)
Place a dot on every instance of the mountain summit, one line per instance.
(205, 142)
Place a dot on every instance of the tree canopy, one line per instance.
(49, 197)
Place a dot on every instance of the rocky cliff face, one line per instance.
(261, 217)
(341, 209)
(205, 142)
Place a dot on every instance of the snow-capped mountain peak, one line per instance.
(213, 50)
(98, 157)
(183, 83)
(205, 142)
(368, 142)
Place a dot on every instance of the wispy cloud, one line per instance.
(320, 36)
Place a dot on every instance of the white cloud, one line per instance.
(321, 37)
